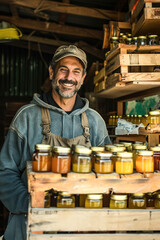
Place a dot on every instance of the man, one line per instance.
(59, 117)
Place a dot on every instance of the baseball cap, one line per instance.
(71, 50)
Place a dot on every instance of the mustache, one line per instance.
(68, 81)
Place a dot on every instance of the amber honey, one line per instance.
(118, 201)
(124, 163)
(137, 201)
(65, 200)
(156, 156)
(145, 162)
(94, 201)
(103, 162)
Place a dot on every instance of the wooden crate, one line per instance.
(81, 223)
(145, 18)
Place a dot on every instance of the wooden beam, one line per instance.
(68, 9)
(53, 27)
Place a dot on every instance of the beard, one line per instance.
(64, 94)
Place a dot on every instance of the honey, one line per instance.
(93, 155)
(137, 201)
(153, 40)
(81, 160)
(157, 201)
(115, 150)
(110, 121)
(65, 200)
(103, 163)
(150, 200)
(145, 162)
(156, 155)
(128, 146)
(113, 43)
(42, 158)
(61, 160)
(154, 117)
(47, 200)
(136, 149)
(94, 201)
(124, 163)
(118, 201)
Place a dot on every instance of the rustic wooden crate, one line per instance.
(145, 18)
(81, 223)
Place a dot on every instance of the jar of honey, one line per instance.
(124, 163)
(156, 155)
(115, 150)
(103, 162)
(65, 200)
(129, 41)
(110, 121)
(94, 201)
(81, 160)
(150, 200)
(137, 201)
(154, 117)
(157, 201)
(42, 158)
(145, 162)
(153, 40)
(94, 151)
(128, 146)
(118, 201)
(136, 149)
(82, 198)
(134, 40)
(47, 200)
(113, 43)
(61, 160)
(141, 41)
(145, 119)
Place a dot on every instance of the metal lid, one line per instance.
(124, 154)
(66, 194)
(146, 153)
(104, 154)
(83, 150)
(139, 147)
(114, 38)
(139, 116)
(59, 149)
(156, 112)
(43, 147)
(135, 38)
(94, 196)
(156, 148)
(108, 146)
(140, 37)
(127, 144)
(119, 144)
(119, 197)
(138, 194)
(117, 149)
(97, 149)
(154, 36)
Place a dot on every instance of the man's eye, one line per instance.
(77, 72)
(63, 69)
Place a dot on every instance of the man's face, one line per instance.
(68, 77)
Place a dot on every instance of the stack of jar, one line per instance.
(113, 201)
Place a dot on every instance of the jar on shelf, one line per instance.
(47, 199)
(124, 163)
(81, 160)
(156, 155)
(137, 201)
(139, 119)
(145, 162)
(115, 150)
(42, 158)
(95, 150)
(65, 200)
(110, 121)
(114, 41)
(145, 119)
(157, 201)
(121, 37)
(136, 149)
(134, 40)
(114, 120)
(118, 201)
(153, 40)
(103, 162)
(141, 41)
(154, 117)
(128, 146)
(129, 41)
(61, 160)
(82, 198)
(124, 37)
(150, 200)
(94, 201)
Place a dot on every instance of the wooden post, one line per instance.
(119, 108)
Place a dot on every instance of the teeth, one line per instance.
(68, 84)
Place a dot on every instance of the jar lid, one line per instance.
(146, 153)
(157, 196)
(114, 38)
(156, 112)
(104, 154)
(139, 147)
(117, 149)
(146, 115)
(119, 144)
(97, 149)
(120, 34)
(139, 116)
(66, 194)
(140, 37)
(129, 39)
(124, 36)
(108, 146)
(43, 147)
(138, 194)
(154, 36)
(156, 148)
(94, 196)
(83, 150)
(124, 154)
(135, 38)
(59, 149)
(127, 144)
(118, 197)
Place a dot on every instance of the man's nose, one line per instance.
(69, 75)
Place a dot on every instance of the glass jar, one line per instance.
(118, 201)
(124, 37)
(81, 160)
(136, 149)
(94, 201)
(145, 162)
(154, 117)
(115, 150)
(103, 163)
(114, 120)
(156, 156)
(145, 119)
(42, 158)
(150, 200)
(82, 198)
(129, 41)
(110, 121)
(65, 200)
(153, 40)
(128, 146)
(141, 41)
(93, 155)
(157, 201)
(124, 163)
(137, 201)
(121, 37)
(61, 160)
(134, 40)
(114, 41)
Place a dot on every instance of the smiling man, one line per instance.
(58, 117)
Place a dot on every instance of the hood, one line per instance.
(36, 100)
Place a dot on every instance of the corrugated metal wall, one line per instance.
(21, 72)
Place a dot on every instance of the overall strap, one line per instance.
(46, 120)
(85, 126)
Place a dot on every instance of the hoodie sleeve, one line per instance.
(13, 189)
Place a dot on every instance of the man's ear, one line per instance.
(50, 73)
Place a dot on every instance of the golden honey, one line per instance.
(118, 201)
(136, 149)
(137, 201)
(103, 162)
(94, 151)
(157, 201)
(145, 162)
(65, 200)
(154, 117)
(94, 201)
(124, 163)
